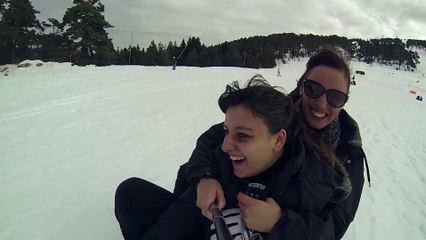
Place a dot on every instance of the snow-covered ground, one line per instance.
(69, 135)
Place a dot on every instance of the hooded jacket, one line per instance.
(334, 219)
(299, 182)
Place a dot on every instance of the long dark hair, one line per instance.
(276, 109)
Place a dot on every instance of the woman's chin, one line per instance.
(240, 168)
(239, 174)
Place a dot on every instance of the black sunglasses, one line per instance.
(335, 98)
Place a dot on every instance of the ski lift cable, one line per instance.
(181, 53)
(157, 34)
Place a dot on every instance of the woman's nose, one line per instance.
(322, 101)
(227, 144)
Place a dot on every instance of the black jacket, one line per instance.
(299, 182)
(334, 219)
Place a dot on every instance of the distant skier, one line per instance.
(278, 73)
(353, 80)
(174, 63)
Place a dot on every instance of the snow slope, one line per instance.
(69, 135)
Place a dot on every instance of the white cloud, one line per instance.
(221, 20)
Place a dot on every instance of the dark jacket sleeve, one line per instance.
(332, 222)
(178, 221)
(201, 163)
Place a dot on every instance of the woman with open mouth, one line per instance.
(268, 154)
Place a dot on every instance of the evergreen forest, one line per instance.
(81, 37)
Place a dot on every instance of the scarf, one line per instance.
(330, 134)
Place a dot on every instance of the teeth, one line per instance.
(318, 114)
(236, 158)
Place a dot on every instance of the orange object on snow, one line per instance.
(413, 92)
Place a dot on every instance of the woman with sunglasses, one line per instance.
(267, 152)
(320, 95)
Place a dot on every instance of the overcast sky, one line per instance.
(215, 21)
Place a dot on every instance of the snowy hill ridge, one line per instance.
(71, 134)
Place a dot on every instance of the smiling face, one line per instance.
(249, 143)
(317, 112)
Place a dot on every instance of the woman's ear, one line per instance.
(280, 139)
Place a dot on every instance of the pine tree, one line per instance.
(157, 55)
(173, 50)
(85, 27)
(19, 30)
(54, 44)
(2, 7)
(3, 57)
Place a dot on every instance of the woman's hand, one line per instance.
(209, 191)
(259, 215)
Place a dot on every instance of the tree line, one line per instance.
(81, 38)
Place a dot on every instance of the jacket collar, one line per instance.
(350, 132)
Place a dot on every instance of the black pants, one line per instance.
(139, 203)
